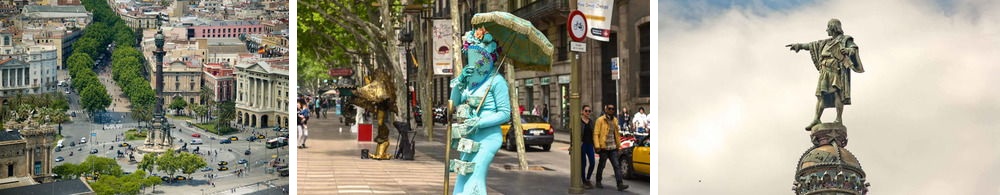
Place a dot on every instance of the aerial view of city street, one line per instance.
(144, 97)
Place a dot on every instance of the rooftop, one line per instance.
(73, 186)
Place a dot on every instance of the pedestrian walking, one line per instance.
(624, 119)
(545, 112)
(303, 118)
(587, 147)
(607, 142)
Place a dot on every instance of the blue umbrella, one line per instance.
(522, 44)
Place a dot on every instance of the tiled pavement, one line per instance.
(332, 165)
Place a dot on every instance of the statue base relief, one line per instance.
(827, 133)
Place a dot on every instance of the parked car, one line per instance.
(283, 171)
(59, 159)
(225, 141)
(536, 132)
(179, 178)
(195, 135)
(634, 161)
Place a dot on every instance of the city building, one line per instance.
(55, 35)
(218, 77)
(26, 154)
(262, 92)
(31, 72)
(74, 16)
(182, 78)
(225, 29)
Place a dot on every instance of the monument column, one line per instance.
(827, 167)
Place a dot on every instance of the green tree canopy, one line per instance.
(178, 104)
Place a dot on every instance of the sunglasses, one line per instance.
(587, 110)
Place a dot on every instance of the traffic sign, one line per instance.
(93, 134)
(577, 26)
(578, 46)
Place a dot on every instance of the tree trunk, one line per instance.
(516, 118)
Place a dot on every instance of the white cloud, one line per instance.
(925, 115)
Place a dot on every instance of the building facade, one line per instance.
(629, 43)
(225, 29)
(36, 75)
(182, 79)
(219, 80)
(26, 154)
(262, 93)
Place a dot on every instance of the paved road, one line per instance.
(103, 137)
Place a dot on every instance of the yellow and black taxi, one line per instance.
(536, 131)
(635, 160)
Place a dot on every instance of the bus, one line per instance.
(277, 143)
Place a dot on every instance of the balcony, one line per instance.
(544, 10)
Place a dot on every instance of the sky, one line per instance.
(924, 118)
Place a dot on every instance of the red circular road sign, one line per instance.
(577, 25)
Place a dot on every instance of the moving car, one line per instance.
(58, 149)
(60, 144)
(247, 152)
(206, 169)
(223, 163)
(178, 178)
(123, 144)
(195, 135)
(223, 168)
(59, 159)
(225, 141)
(242, 161)
(536, 131)
(196, 141)
(93, 151)
(251, 138)
(234, 138)
(83, 140)
(634, 161)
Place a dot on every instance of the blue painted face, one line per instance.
(481, 55)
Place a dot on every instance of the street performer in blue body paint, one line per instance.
(483, 104)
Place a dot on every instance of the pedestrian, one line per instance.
(316, 106)
(624, 119)
(520, 109)
(640, 121)
(587, 147)
(545, 112)
(303, 118)
(607, 142)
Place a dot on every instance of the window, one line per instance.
(644, 46)
(6, 41)
(562, 53)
